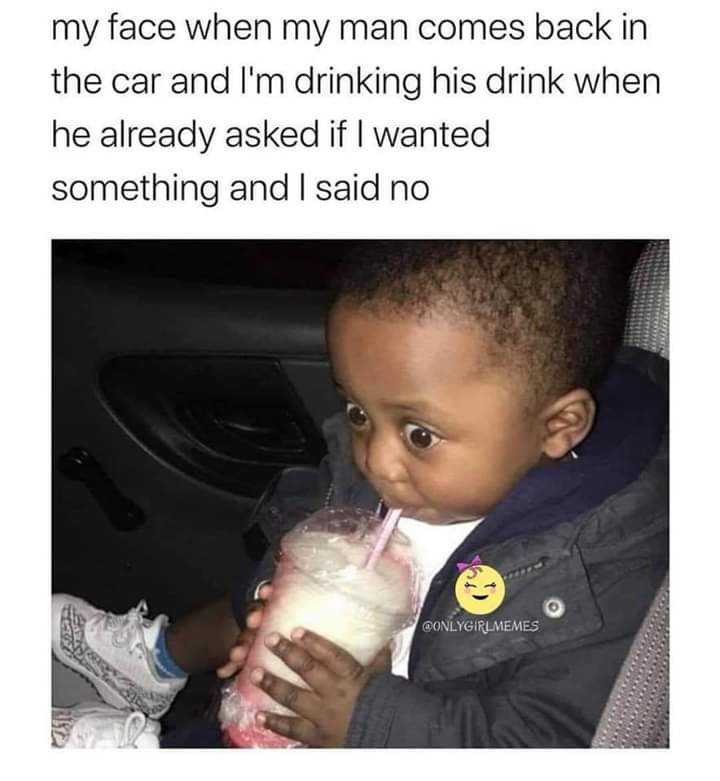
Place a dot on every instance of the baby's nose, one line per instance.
(383, 460)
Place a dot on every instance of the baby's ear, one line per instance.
(567, 421)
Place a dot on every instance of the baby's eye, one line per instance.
(419, 437)
(356, 415)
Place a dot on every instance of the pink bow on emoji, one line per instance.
(461, 566)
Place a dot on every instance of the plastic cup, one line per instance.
(320, 584)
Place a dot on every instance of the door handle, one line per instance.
(78, 464)
(244, 427)
(245, 430)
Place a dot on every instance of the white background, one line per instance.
(570, 167)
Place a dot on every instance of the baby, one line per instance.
(485, 394)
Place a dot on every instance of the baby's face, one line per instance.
(435, 429)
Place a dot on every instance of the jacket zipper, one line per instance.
(520, 571)
(329, 494)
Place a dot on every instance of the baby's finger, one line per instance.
(227, 670)
(254, 618)
(265, 591)
(238, 653)
(334, 658)
(236, 659)
(300, 661)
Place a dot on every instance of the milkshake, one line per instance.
(321, 584)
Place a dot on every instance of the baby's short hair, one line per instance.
(553, 309)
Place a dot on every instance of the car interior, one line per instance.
(186, 375)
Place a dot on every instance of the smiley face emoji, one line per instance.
(479, 589)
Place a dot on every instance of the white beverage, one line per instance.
(320, 584)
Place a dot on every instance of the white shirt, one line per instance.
(432, 545)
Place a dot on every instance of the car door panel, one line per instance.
(187, 397)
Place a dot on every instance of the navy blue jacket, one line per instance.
(582, 547)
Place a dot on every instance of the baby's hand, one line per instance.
(334, 681)
(238, 653)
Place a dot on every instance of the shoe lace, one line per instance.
(91, 734)
(132, 729)
(126, 629)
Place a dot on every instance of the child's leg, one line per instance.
(201, 641)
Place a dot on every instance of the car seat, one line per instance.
(637, 712)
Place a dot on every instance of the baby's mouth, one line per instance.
(391, 502)
(417, 511)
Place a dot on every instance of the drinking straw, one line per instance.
(386, 529)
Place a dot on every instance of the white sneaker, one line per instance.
(114, 652)
(94, 725)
